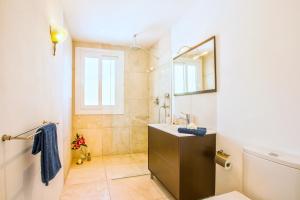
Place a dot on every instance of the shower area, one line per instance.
(147, 99)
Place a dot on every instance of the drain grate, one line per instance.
(130, 176)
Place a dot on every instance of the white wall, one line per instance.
(258, 97)
(202, 107)
(67, 103)
(35, 86)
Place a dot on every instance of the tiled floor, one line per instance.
(110, 178)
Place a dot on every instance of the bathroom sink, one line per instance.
(173, 129)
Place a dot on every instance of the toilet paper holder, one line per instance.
(222, 153)
(223, 160)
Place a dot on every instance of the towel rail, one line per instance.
(28, 137)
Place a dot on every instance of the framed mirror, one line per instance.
(194, 71)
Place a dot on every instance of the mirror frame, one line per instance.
(213, 38)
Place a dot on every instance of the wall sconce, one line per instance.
(183, 49)
(58, 35)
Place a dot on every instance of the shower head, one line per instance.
(134, 45)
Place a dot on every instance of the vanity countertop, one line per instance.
(172, 129)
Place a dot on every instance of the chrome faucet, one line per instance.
(187, 118)
(165, 106)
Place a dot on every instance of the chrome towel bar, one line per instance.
(23, 136)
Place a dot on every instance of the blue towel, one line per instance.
(46, 143)
(198, 132)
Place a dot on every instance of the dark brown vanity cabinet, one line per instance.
(184, 165)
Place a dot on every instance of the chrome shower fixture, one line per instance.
(156, 101)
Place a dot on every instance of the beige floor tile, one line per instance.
(98, 180)
(96, 162)
(136, 188)
(77, 176)
(117, 172)
(126, 159)
(117, 159)
(87, 191)
(125, 166)
(87, 172)
(165, 194)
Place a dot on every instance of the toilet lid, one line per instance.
(230, 196)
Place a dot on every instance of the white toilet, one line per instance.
(267, 176)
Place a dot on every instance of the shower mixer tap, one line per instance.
(165, 107)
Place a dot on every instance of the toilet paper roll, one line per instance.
(223, 162)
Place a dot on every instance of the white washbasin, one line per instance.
(173, 129)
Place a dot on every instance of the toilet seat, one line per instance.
(229, 196)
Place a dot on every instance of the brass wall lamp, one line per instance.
(58, 35)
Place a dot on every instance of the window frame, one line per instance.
(100, 54)
(186, 80)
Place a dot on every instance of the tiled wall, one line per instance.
(120, 134)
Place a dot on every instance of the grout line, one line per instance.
(107, 183)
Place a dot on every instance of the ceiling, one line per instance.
(116, 21)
